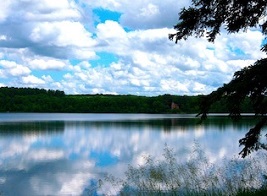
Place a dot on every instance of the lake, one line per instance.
(63, 154)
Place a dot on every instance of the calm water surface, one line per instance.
(57, 154)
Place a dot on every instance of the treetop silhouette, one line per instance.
(207, 18)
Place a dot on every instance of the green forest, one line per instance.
(40, 100)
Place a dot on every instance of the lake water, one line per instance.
(63, 154)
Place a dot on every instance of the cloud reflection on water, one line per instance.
(65, 157)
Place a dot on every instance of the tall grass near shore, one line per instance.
(197, 176)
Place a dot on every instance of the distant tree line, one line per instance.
(41, 100)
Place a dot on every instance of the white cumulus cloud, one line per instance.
(64, 45)
(32, 80)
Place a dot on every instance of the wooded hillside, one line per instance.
(41, 100)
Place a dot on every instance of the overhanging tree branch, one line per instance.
(206, 18)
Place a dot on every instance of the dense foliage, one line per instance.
(30, 100)
(40, 100)
(206, 18)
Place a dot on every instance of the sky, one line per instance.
(114, 47)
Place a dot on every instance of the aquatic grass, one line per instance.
(197, 176)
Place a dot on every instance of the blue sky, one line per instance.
(115, 47)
